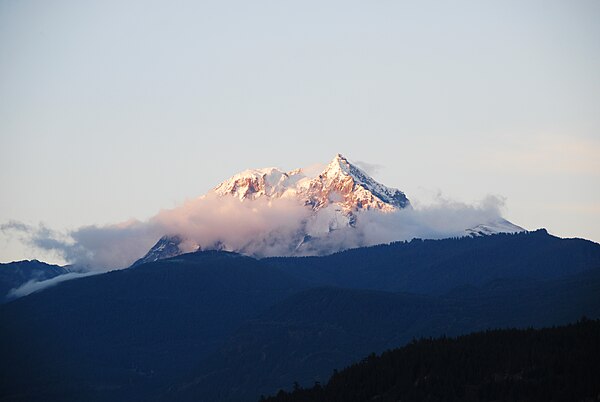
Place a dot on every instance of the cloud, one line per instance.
(370, 168)
(442, 219)
(34, 285)
(89, 247)
(445, 218)
(213, 220)
(204, 222)
(260, 227)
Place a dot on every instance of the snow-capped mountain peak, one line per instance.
(342, 176)
(341, 183)
(338, 166)
(333, 203)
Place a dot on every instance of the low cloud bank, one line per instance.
(35, 285)
(260, 227)
(442, 219)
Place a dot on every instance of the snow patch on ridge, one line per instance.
(493, 227)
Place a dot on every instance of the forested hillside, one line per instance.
(553, 364)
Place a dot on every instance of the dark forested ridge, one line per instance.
(552, 364)
(438, 266)
(217, 326)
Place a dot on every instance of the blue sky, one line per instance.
(113, 110)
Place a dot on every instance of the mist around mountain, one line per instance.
(218, 326)
(270, 212)
(343, 207)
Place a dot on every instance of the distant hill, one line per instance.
(552, 364)
(16, 274)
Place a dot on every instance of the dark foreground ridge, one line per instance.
(553, 364)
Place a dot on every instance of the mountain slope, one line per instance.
(166, 247)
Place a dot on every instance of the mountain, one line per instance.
(335, 199)
(551, 364)
(166, 247)
(15, 274)
(341, 185)
(218, 323)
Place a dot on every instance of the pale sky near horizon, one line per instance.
(112, 110)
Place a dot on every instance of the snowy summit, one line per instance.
(341, 184)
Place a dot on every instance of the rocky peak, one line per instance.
(166, 247)
(347, 185)
(339, 166)
(341, 183)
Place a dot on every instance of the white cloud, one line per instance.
(34, 285)
(259, 227)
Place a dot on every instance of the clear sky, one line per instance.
(111, 110)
